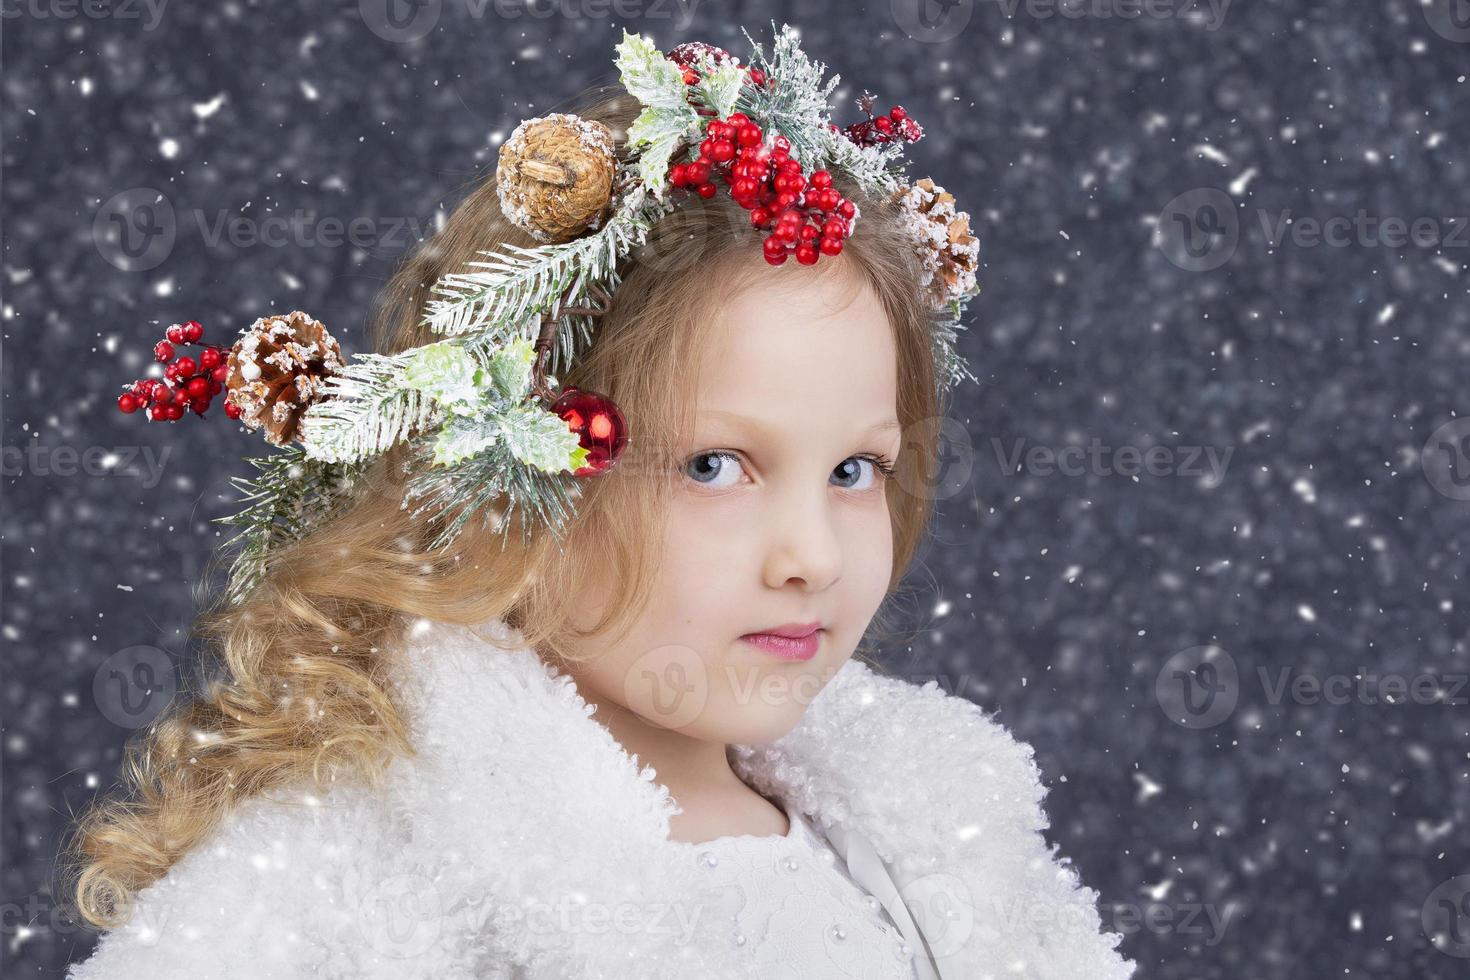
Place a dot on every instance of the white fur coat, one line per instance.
(523, 843)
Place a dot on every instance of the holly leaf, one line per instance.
(539, 438)
(510, 370)
(462, 438)
(719, 85)
(448, 374)
(667, 116)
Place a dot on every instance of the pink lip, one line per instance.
(803, 647)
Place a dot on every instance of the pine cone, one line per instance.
(277, 368)
(949, 252)
(555, 176)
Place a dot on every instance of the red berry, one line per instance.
(723, 151)
(846, 208)
(231, 409)
(898, 113)
(737, 119)
(186, 367)
(759, 216)
(883, 124)
(128, 402)
(175, 334)
(806, 254)
(780, 145)
(696, 173)
(157, 412)
(162, 394)
(831, 246)
(222, 373)
(706, 190)
(758, 77)
(821, 178)
(209, 359)
(193, 331)
(198, 406)
(198, 387)
(163, 351)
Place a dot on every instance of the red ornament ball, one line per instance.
(599, 425)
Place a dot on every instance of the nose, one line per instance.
(804, 543)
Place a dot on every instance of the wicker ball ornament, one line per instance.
(555, 176)
(277, 368)
(950, 254)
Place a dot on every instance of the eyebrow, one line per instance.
(877, 428)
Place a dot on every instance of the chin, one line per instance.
(763, 729)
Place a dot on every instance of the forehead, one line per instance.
(806, 350)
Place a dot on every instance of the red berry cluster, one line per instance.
(187, 383)
(892, 128)
(805, 214)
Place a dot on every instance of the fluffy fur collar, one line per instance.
(523, 842)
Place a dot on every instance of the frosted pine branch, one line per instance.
(367, 408)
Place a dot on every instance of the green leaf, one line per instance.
(463, 438)
(647, 75)
(448, 374)
(538, 437)
(667, 116)
(510, 370)
(659, 131)
(719, 86)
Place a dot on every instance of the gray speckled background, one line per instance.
(1131, 179)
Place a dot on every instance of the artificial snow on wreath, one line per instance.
(486, 425)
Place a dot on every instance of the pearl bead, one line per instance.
(905, 950)
(708, 859)
(791, 864)
(740, 939)
(838, 933)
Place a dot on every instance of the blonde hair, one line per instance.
(302, 685)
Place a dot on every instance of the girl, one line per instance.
(648, 746)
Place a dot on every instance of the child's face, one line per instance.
(778, 516)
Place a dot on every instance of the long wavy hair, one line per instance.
(296, 680)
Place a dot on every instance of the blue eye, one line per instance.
(851, 469)
(700, 469)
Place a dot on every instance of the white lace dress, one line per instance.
(791, 902)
